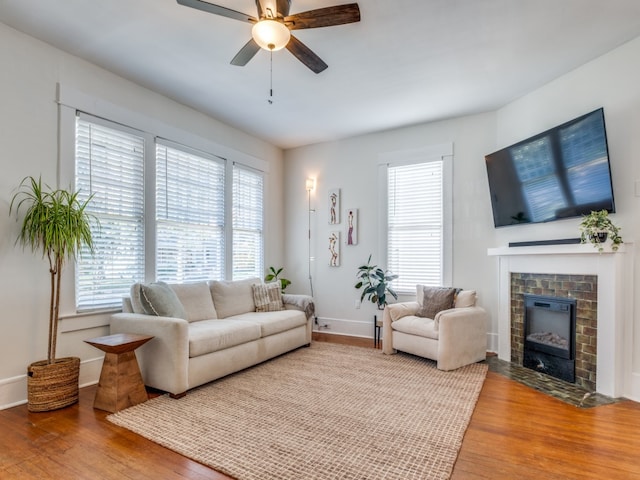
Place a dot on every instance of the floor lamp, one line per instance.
(310, 186)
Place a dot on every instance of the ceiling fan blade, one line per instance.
(246, 53)
(260, 9)
(283, 7)
(217, 10)
(305, 55)
(324, 17)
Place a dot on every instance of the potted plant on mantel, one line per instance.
(375, 284)
(57, 224)
(597, 227)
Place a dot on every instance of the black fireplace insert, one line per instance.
(550, 335)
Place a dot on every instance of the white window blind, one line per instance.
(190, 209)
(248, 215)
(415, 224)
(110, 166)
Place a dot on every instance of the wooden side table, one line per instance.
(120, 384)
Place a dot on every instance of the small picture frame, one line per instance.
(334, 249)
(334, 206)
(351, 216)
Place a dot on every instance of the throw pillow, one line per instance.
(268, 297)
(436, 299)
(158, 299)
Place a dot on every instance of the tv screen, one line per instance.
(561, 173)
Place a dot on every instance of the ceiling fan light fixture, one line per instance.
(270, 34)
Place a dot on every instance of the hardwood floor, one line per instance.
(515, 432)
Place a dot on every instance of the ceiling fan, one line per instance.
(272, 29)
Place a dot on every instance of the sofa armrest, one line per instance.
(393, 312)
(164, 360)
(462, 336)
(303, 303)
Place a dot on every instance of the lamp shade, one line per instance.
(271, 35)
(310, 184)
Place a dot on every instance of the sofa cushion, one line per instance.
(207, 336)
(274, 322)
(196, 300)
(436, 299)
(413, 325)
(159, 299)
(234, 297)
(267, 297)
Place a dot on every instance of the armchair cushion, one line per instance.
(422, 327)
(466, 298)
(436, 299)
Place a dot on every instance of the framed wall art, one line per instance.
(334, 249)
(351, 214)
(334, 206)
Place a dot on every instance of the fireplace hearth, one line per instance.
(549, 336)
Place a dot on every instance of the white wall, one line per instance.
(31, 71)
(610, 81)
(352, 166)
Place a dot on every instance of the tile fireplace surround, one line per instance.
(615, 302)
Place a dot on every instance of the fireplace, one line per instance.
(603, 286)
(550, 335)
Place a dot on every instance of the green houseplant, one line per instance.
(374, 282)
(273, 275)
(596, 227)
(55, 223)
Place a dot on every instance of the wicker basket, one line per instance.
(52, 385)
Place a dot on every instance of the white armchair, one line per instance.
(453, 338)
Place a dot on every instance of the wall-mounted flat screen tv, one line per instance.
(561, 173)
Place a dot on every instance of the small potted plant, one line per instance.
(56, 224)
(597, 227)
(375, 284)
(273, 275)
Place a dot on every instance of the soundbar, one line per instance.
(536, 243)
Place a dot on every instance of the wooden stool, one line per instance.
(120, 384)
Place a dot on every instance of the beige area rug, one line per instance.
(324, 412)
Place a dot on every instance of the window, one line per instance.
(110, 166)
(189, 216)
(167, 212)
(416, 222)
(248, 239)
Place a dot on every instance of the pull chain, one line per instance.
(270, 77)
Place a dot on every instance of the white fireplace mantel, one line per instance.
(615, 304)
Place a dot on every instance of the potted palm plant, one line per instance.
(57, 224)
(597, 227)
(374, 282)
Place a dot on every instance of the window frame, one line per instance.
(70, 101)
(441, 152)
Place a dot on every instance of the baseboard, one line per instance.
(13, 390)
(341, 326)
(634, 390)
(492, 342)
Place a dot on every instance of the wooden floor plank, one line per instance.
(515, 433)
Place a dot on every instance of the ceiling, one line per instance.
(406, 62)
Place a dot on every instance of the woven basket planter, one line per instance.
(52, 385)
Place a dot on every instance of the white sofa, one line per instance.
(454, 337)
(211, 331)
